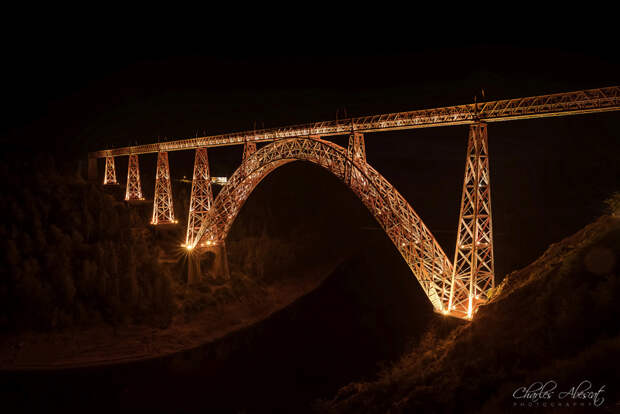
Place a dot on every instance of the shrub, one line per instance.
(613, 204)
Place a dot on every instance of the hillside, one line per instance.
(85, 279)
(556, 319)
(74, 255)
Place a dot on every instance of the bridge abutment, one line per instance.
(219, 267)
(221, 260)
(199, 264)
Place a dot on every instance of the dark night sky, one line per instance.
(112, 77)
(71, 88)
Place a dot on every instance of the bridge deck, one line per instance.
(560, 104)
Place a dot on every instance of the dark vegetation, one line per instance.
(75, 255)
(556, 319)
(364, 313)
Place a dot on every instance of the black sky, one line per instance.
(98, 81)
(112, 76)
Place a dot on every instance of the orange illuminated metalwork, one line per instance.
(356, 152)
(249, 148)
(134, 187)
(163, 209)
(110, 172)
(559, 104)
(413, 240)
(453, 289)
(202, 196)
(473, 273)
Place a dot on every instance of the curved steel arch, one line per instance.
(411, 237)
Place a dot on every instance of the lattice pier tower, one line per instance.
(134, 187)
(110, 172)
(473, 272)
(356, 152)
(202, 197)
(163, 210)
(249, 148)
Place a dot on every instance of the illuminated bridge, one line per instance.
(455, 287)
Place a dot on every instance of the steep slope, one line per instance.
(85, 279)
(556, 319)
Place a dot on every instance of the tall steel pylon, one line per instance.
(249, 148)
(473, 271)
(163, 210)
(356, 152)
(202, 197)
(134, 187)
(110, 172)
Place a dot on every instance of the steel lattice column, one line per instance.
(356, 151)
(357, 148)
(249, 148)
(110, 172)
(134, 187)
(163, 210)
(473, 272)
(202, 197)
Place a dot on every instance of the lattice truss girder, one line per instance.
(473, 272)
(109, 177)
(413, 240)
(202, 197)
(134, 187)
(578, 102)
(163, 209)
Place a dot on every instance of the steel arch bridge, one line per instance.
(414, 241)
(455, 288)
